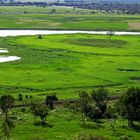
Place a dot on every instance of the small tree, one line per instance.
(84, 103)
(100, 96)
(31, 97)
(20, 97)
(111, 117)
(53, 11)
(7, 125)
(50, 99)
(26, 96)
(39, 36)
(129, 105)
(41, 111)
(95, 113)
(6, 103)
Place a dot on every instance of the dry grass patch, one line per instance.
(134, 25)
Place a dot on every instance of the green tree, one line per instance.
(50, 99)
(39, 36)
(111, 116)
(53, 11)
(100, 96)
(7, 126)
(6, 103)
(129, 105)
(20, 97)
(84, 103)
(41, 111)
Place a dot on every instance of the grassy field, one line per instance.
(65, 18)
(65, 125)
(67, 64)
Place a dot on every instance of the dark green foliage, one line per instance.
(23, 109)
(84, 103)
(6, 103)
(100, 97)
(129, 105)
(95, 113)
(7, 125)
(94, 106)
(39, 37)
(111, 116)
(31, 97)
(53, 11)
(41, 111)
(26, 97)
(50, 99)
(20, 97)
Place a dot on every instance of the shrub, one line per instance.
(39, 37)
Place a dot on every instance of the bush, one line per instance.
(39, 37)
(23, 109)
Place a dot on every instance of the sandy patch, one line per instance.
(134, 25)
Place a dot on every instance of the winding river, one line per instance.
(5, 33)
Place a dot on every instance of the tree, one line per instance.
(53, 11)
(50, 99)
(111, 116)
(20, 97)
(94, 106)
(6, 103)
(26, 96)
(129, 105)
(95, 113)
(84, 103)
(7, 125)
(100, 96)
(41, 111)
(39, 36)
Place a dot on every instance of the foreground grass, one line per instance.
(65, 125)
(65, 18)
(67, 64)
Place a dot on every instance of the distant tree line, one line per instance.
(100, 6)
(113, 7)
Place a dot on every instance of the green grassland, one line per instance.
(67, 64)
(65, 18)
(65, 125)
